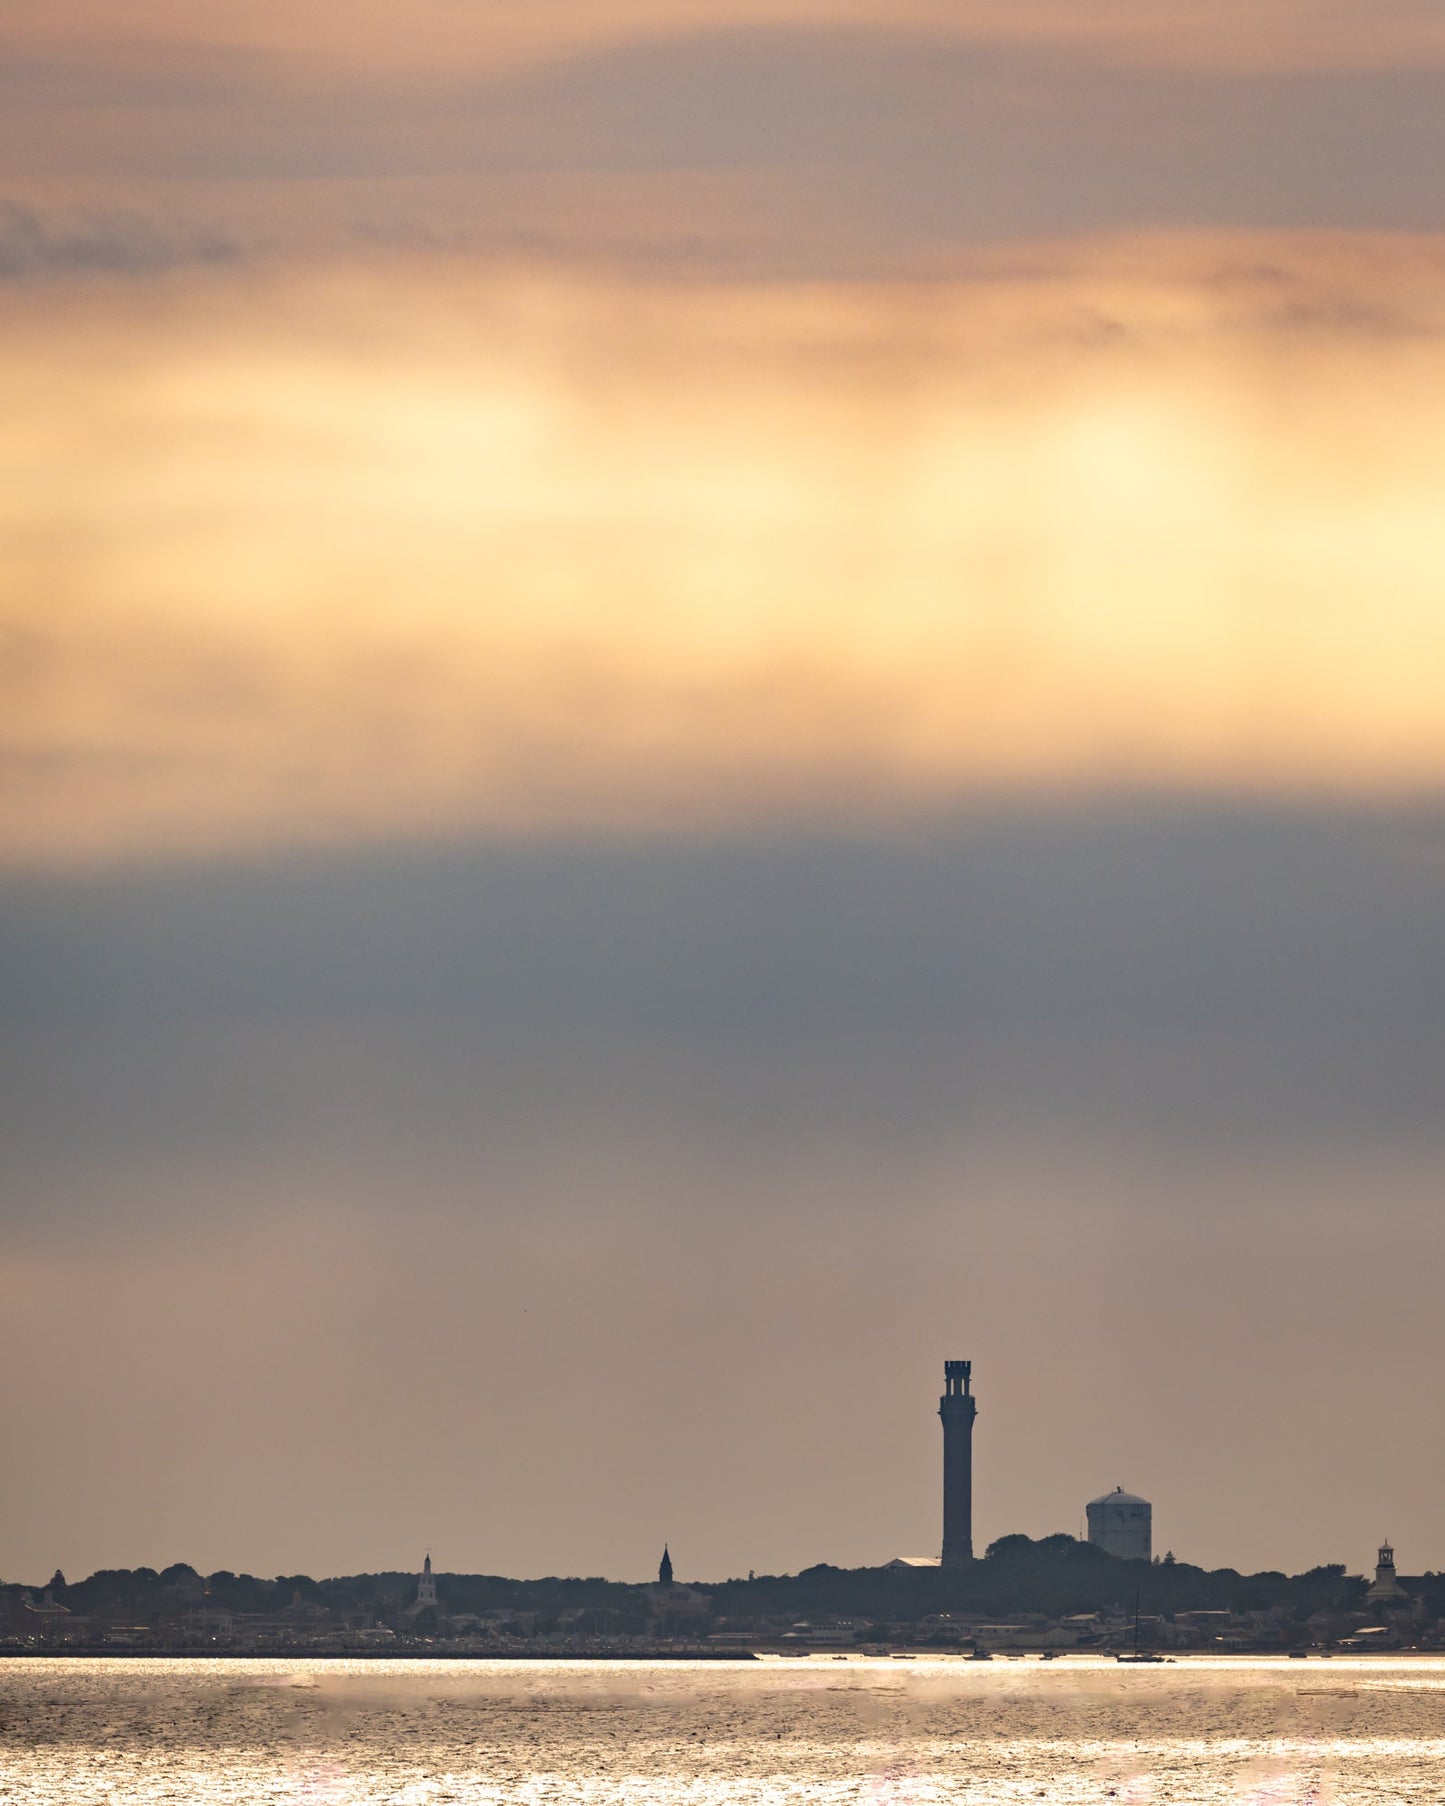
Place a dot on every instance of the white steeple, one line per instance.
(1387, 1588)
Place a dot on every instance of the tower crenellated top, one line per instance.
(957, 1378)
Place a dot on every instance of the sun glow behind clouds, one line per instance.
(408, 549)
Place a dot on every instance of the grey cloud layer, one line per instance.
(898, 143)
(1222, 939)
(968, 139)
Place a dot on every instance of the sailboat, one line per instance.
(1138, 1655)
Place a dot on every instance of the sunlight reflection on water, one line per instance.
(870, 1733)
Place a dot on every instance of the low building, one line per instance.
(208, 1621)
(1008, 1636)
(47, 1618)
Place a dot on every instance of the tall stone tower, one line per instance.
(958, 1410)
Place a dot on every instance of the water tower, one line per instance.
(1123, 1524)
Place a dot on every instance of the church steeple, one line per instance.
(664, 1569)
(1387, 1588)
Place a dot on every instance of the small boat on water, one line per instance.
(979, 1655)
(1138, 1655)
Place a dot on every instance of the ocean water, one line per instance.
(772, 1733)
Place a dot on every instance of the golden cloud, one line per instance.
(404, 548)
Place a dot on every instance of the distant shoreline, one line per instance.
(1179, 1657)
(303, 1654)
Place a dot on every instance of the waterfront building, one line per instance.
(48, 1617)
(958, 1410)
(1122, 1523)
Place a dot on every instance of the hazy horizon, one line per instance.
(542, 1203)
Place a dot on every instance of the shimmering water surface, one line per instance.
(73, 1732)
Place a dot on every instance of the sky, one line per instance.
(699, 703)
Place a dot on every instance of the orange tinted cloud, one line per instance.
(399, 549)
(489, 34)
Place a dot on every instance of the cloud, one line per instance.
(35, 244)
(383, 550)
(1110, 917)
(492, 33)
(825, 148)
